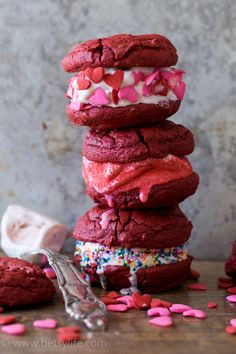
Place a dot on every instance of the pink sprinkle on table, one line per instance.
(158, 311)
(233, 322)
(48, 323)
(231, 298)
(179, 308)
(15, 329)
(195, 313)
(117, 308)
(162, 321)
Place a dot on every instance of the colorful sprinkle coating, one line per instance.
(95, 254)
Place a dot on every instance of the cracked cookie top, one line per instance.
(122, 146)
(121, 50)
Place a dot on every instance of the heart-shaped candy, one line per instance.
(141, 301)
(160, 87)
(138, 76)
(154, 75)
(96, 74)
(163, 321)
(146, 91)
(83, 83)
(98, 97)
(114, 80)
(128, 93)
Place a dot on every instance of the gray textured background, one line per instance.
(40, 168)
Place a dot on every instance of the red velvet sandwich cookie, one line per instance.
(123, 86)
(230, 266)
(150, 183)
(148, 228)
(122, 146)
(23, 283)
(148, 270)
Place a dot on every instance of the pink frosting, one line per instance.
(107, 178)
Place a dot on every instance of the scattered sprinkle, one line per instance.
(114, 80)
(163, 321)
(232, 291)
(195, 313)
(194, 274)
(48, 323)
(98, 97)
(141, 301)
(230, 330)
(233, 322)
(117, 308)
(160, 303)
(158, 311)
(179, 308)
(197, 286)
(212, 305)
(7, 319)
(15, 329)
(231, 298)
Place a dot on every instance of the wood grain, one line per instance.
(130, 332)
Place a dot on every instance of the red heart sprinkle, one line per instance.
(117, 308)
(7, 319)
(197, 286)
(232, 290)
(114, 96)
(230, 329)
(68, 337)
(226, 280)
(160, 303)
(141, 301)
(96, 74)
(160, 87)
(83, 83)
(1, 309)
(74, 329)
(108, 300)
(212, 305)
(194, 275)
(113, 294)
(114, 80)
(225, 285)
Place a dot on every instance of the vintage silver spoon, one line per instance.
(80, 301)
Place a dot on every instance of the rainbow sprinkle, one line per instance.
(95, 254)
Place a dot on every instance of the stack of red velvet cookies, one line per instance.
(134, 162)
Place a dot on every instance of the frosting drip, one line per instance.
(107, 178)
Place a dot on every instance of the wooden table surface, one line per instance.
(130, 332)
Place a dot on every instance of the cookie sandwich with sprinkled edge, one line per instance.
(122, 81)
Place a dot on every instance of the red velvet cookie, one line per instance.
(123, 51)
(122, 146)
(23, 283)
(133, 115)
(230, 265)
(149, 228)
(149, 280)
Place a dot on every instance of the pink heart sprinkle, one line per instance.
(138, 76)
(179, 90)
(146, 91)
(158, 311)
(162, 321)
(195, 313)
(127, 300)
(154, 75)
(179, 308)
(231, 298)
(75, 105)
(117, 308)
(233, 322)
(48, 323)
(128, 93)
(15, 329)
(98, 97)
(49, 273)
